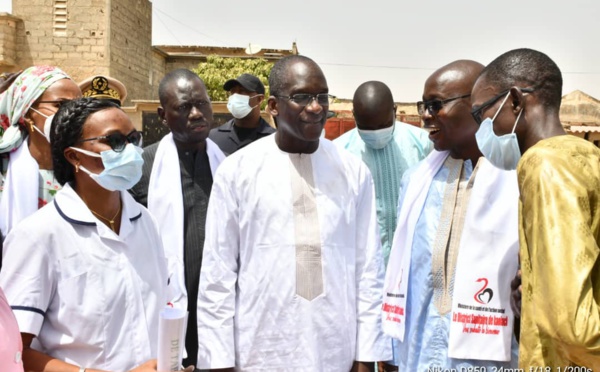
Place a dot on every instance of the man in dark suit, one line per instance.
(175, 186)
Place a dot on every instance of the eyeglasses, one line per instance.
(118, 141)
(304, 99)
(477, 113)
(435, 105)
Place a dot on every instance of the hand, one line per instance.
(515, 294)
(150, 365)
(188, 369)
(363, 367)
(7, 78)
(386, 367)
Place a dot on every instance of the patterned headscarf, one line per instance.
(18, 98)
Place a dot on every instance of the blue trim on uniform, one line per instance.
(136, 217)
(68, 219)
(29, 308)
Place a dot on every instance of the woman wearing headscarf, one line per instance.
(26, 109)
(89, 280)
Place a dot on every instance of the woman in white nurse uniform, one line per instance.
(86, 275)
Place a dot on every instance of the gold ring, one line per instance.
(3, 75)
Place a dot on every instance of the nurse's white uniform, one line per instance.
(91, 297)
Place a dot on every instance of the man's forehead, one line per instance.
(185, 83)
(304, 73)
(187, 87)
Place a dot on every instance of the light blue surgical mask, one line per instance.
(122, 170)
(379, 138)
(502, 151)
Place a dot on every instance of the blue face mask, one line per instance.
(122, 170)
(379, 138)
(502, 151)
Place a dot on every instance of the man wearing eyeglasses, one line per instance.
(517, 100)
(447, 287)
(292, 271)
(247, 93)
(176, 184)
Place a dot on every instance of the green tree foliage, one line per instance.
(217, 70)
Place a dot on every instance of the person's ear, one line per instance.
(517, 99)
(161, 115)
(260, 99)
(72, 157)
(272, 106)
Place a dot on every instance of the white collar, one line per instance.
(73, 210)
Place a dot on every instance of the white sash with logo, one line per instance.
(482, 319)
(396, 277)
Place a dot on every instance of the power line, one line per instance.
(188, 26)
(432, 69)
(168, 29)
(377, 66)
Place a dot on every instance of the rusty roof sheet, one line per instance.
(584, 129)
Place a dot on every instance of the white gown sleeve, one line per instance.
(371, 343)
(27, 278)
(218, 278)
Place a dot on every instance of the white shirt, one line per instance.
(249, 314)
(91, 297)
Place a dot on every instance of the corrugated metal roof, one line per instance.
(584, 129)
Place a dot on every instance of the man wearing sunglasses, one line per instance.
(517, 100)
(176, 184)
(292, 271)
(446, 293)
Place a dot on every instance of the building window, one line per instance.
(60, 18)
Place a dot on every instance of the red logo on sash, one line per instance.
(485, 294)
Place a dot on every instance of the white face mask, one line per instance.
(502, 151)
(122, 170)
(47, 125)
(379, 138)
(239, 105)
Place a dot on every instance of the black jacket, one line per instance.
(228, 141)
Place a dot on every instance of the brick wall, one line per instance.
(80, 49)
(8, 46)
(131, 55)
(158, 71)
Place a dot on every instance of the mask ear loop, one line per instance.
(502, 105)
(518, 117)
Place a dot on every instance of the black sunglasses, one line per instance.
(118, 141)
(477, 113)
(304, 99)
(435, 105)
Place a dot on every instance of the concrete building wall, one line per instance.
(158, 71)
(8, 42)
(71, 34)
(130, 44)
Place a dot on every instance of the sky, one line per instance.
(398, 42)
